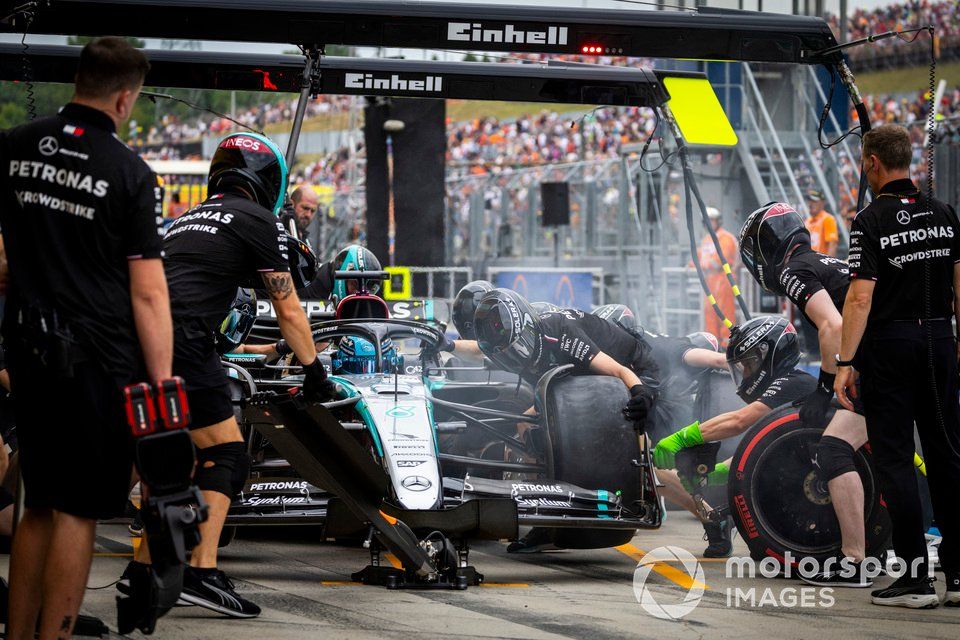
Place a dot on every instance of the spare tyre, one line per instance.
(780, 504)
(593, 446)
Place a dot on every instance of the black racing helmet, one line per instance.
(303, 264)
(766, 239)
(239, 321)
(760, 351)
(544, 307)
(355, 258)
(508, 330)
(465, 305)
(619, 314)
(251, 161)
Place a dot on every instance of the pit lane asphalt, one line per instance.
(303, 587)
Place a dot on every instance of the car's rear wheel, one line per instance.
(594, 447)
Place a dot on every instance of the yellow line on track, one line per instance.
(509, 585)
(670, 573)
(340, 583)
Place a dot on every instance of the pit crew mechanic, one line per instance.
(680, 360)
(775, 246)
(87, 311)
(512, 335)
(897, 332)
(762, 356)
(226, 242)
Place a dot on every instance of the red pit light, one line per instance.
(591, 49)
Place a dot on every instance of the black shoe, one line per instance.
(212, 589)
(534, 542)
(952, 597)
(718, 534)
(907, 592)
(856, 579)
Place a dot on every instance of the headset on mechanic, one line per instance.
(898, 338)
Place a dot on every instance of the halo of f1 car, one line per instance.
(430, 449)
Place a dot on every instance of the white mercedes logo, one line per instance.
(903, 217)
(49, 146)
(416, 483)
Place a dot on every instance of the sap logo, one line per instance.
(509, 34)
(409, 463)
(425, 84)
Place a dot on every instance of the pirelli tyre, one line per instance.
(592, 446)
(779, 503)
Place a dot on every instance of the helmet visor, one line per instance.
(745, 368)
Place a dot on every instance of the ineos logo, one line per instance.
(48, 146)
(903, 217)
(240, 142)
(416, 483)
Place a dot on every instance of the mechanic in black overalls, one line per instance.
(897, 333)
(226, 242)
(512, 335)
(681, 362)
(762, 356)
(775, 248)
(87, 313)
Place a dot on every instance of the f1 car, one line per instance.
(442, 447)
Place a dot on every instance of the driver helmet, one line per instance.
(760, 351)
(465, 305)
(767, 238)
(509, 330)
(251, 161)
(239, 321)
(303, 264)
(354, 258)
(544, 307)
(356, 355)
(704, 340)
(619, 314)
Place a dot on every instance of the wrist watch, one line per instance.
(842, 363)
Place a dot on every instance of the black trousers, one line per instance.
(909, 375)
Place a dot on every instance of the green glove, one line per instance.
(716, 478)
(665, 453)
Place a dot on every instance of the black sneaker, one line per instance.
(212, 589)
(534, 542)
(908, 592)
(952, 597)
(837, 578)
(718, 534)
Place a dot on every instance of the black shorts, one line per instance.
(195, 359)
(76, 451)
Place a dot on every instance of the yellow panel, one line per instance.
(698, 112)
(405, 291)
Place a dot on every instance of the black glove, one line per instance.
(642, 398)
(282, 348)
(446, 344)
(813, 411)
(316, 386)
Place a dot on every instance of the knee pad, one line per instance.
(222, 468)
(833, 457)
